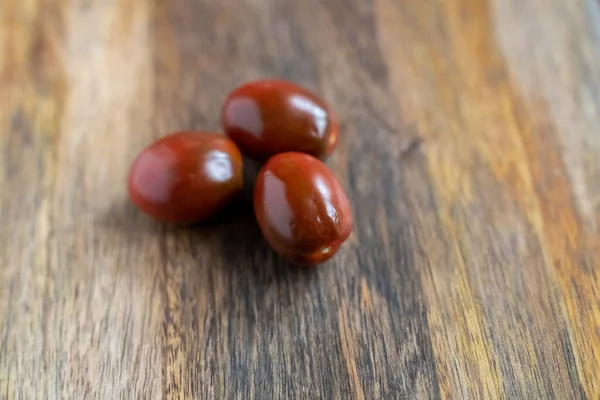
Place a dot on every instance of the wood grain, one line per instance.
(470, 152)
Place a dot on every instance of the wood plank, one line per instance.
(470, 153)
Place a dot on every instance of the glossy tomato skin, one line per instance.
(301, 208)
(186, 177)
(273, 116)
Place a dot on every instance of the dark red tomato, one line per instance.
(186, 176)
(301, 208)
(268, 117)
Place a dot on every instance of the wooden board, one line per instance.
(470, 152)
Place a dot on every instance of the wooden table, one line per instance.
(470, 152)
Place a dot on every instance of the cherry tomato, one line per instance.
(301, 208)
(268, 117)
(186, 176)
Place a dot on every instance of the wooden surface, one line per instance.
(470, 152)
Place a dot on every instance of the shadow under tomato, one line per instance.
(243, 249)
(229, 243)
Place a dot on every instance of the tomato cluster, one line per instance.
(300, 206)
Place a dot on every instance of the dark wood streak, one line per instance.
(470, 152)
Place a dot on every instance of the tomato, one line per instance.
(186, 176)
(268, 117)
(301, 208)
